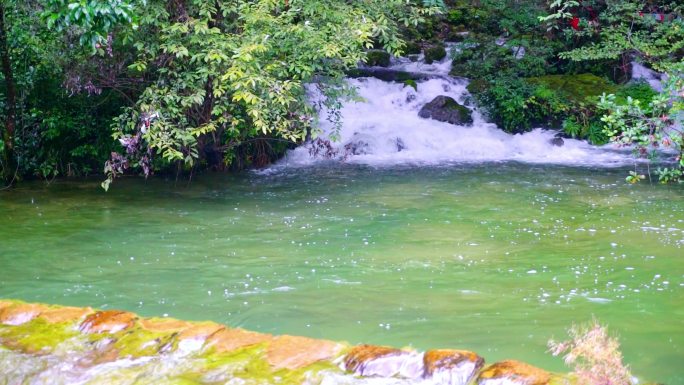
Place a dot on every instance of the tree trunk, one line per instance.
(9, 161)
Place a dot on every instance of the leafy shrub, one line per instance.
(572, 127)
(516, 105)
(646, 128)
(640, 91)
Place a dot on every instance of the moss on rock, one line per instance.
(130, 347)
(412, 48)
(435, 53)
(577, 88)
(446, 109)
(377, 58)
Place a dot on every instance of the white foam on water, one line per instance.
(385, 130)
(457, 375)
(441, 67)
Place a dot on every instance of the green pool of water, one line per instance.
(496, 258)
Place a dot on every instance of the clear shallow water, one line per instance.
(496, 258)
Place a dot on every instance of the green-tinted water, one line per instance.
(494, 258)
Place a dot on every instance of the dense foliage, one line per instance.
(201, 83)
(187, 84)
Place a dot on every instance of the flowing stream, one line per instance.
(427, 235)
(494, 257)
(384, 129)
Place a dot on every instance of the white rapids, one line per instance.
(384, 130)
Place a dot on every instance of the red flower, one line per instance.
(574, 23)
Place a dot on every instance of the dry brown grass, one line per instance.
(594, 355)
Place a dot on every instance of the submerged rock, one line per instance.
(558, 141)
(446, 109)
(513, 373)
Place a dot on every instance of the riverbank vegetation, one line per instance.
(154, 86)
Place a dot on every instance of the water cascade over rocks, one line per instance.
(68, 345)
(386, 128)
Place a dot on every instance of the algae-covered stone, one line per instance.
(435, 53)
(446, 109)
(37, 336)
(289, 352)
(362, 354)
(19, 313)
(65, 314)
(454, 366)
(168, 325)
(514, 373)
(108, 321)
(116, 344)
(368, 360)
(228, 340)
(194, 337)
(377, 58)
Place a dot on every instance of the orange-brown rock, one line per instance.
(5, 303)
(164, 325)
(228, 340)
(446, 359)
(288, 352)
(516, 371)
(20, 313)
(200, 331)
(361, 354)
(108, 321)
(65, 314)
(102, 353)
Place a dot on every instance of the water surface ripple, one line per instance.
(496, 258)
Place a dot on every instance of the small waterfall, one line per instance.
(385, 129)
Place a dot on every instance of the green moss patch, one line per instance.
(141, 343)
(378, 58)
(577, 88)
(435, 53)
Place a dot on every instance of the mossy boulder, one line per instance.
(386, 74)
(412, 48)
(435, 53)
(446, 109)
(377, 58)
(576, 88)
